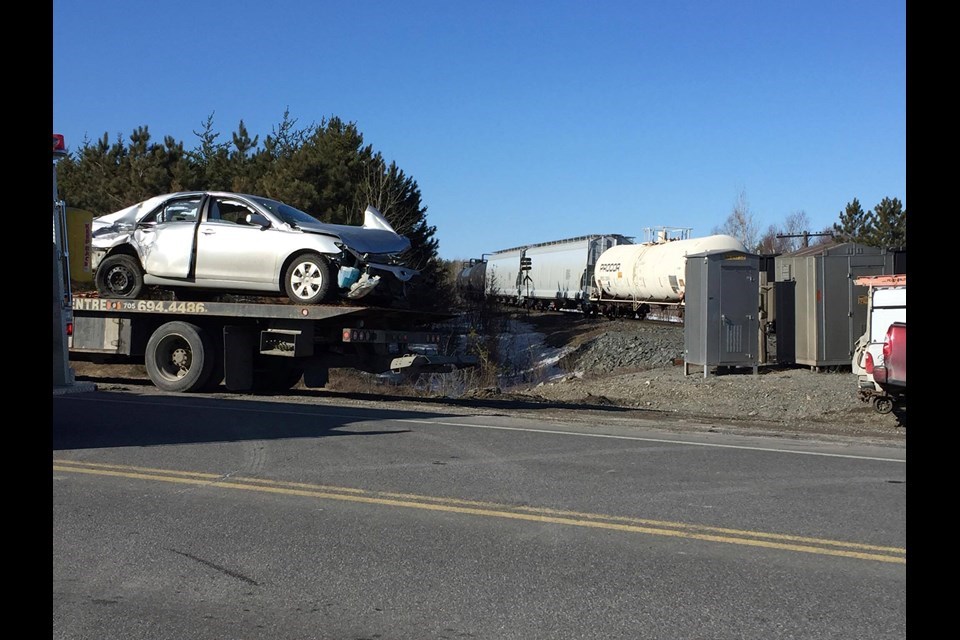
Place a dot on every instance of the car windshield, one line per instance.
(285, 212)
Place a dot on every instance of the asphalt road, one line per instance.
(212, 518)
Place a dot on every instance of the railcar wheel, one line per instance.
(179, 357)
(883, 404)
(307, 280)
(119, 276)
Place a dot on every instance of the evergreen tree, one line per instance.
(852, 224)
(183, 174)
(341, 155)
(103, 177)
(242, 163)
(142, 171)
(212, 159)
(397, 196)
(286, 138)
(887, 225)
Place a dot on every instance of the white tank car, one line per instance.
(653, 271)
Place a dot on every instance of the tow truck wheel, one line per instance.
(179, 357)
(883, 404)
(307, 280)
(119, 276)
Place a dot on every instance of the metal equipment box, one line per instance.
(721, 326)
(830, 310)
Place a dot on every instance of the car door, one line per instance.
(231, 249)
(164, 239)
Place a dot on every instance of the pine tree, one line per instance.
(852, 224)
(242, 163)
(211, 158)
(888, 225)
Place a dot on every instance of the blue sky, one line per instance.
(526, 121)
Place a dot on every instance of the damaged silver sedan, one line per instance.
(230, 242)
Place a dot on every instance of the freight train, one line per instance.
(597, 274)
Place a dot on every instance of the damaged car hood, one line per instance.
(361, 239)
(375, 235)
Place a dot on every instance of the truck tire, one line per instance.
(179, 357)
(308, 279)
(119, 276)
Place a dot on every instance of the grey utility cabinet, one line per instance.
(829, 308)
(721, 326)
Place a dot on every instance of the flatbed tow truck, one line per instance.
(255, 346)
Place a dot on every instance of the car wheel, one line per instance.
(119, 276)
(308, 279)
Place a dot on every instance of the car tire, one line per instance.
(180, 357)
(308, 279)
(119, 276)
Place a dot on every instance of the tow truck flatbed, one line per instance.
(82, 306)
(194, 346)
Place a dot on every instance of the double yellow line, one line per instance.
(784, 542)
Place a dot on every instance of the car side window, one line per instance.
(229, 211)
(179, 211)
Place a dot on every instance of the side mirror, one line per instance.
(257, 220)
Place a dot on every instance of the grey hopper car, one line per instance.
(547, 275)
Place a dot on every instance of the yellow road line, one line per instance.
(492, 509)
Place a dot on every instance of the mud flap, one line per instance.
(238, 343)
(316, 375)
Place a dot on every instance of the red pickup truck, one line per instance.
(891, 374)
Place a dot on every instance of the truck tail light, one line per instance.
(868, 363)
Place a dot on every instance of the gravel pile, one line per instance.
(624, 349)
